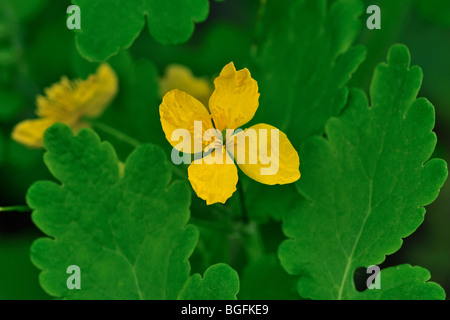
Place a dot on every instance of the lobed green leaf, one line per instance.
(128, 234)
(109, 27)
(220, 282)
(365, 187)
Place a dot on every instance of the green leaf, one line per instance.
(365, 185)
(220, 282)
(434, 244)
(305, 62)
(104, 35)
(314, 41)
(128, 234)
(404, 282)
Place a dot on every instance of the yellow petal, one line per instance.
(98, 91)
(79, 98)
(180, 110)
(214, 182)
(58, 102)
(235, 98)
(180, 77)
(31, 132)
(266, 161)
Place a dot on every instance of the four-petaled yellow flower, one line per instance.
(69, 102)
(232, 104)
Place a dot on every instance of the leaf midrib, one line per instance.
(350, 257)
(369, 211)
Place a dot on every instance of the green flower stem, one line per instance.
(119, 135)
(242, 201)
(254, 245)
(179, 172)
(15, 208)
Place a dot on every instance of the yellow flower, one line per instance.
(180, 77)
(69, 102)
(232, 104)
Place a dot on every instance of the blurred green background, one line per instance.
(36, 49)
